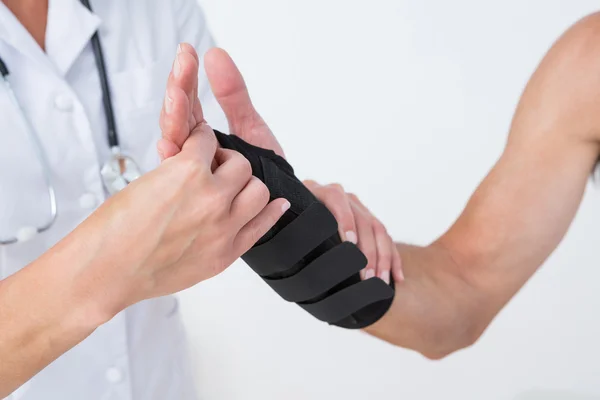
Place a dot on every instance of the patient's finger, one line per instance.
(179, 117)
(196, 113)
(366, 240)
(335, 199)
(231, 92)
(174, 121)
(385, 248)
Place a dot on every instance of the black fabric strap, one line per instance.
(327, 271)
(302, 257)
(350, 300)
(281, 184)
(292, 243)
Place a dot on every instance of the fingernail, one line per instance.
(370, 273)
(351, 237)
(161, 155)
(177, 67)
(385, 276)
(400, 274)
(286, 206)
(179, 49)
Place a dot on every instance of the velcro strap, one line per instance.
(323, 274)
(301, 236)
(282, 184)
(349, 300)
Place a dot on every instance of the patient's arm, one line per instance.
(516, 217)
(454, 287)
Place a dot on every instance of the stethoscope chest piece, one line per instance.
(118, 172)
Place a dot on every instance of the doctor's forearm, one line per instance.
(132, 249)
(43, 314)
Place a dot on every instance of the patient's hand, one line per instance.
(359, 226)
(182, 112)
(230, 91)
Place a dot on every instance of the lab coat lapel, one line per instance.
(70, 28)
(16, 36)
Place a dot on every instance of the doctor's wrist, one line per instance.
(92, 301)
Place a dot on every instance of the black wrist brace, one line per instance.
(302, 257)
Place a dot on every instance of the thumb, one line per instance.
(230, 90)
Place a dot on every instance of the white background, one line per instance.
(406, 103)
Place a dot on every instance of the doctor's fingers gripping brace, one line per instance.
(303, 258)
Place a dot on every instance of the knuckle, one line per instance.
(378, 227)
(337, 188)
(309, 183)
(320, 194)
(245, 168)
(215, 200)
(332, 195)
(262, 192)
(203, 133)
(191, 168)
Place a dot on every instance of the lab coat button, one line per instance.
(63, 103)
(87, 201)
(113, 375)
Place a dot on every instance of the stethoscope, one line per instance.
(116, 173)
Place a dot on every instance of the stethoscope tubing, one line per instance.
(41, 157)
(112, 136)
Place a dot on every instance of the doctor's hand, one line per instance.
(359, 226)
(182, 109)
(182, 223)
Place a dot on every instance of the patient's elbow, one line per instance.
(462, 340)
(460, 331)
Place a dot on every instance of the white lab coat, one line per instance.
(141, 354)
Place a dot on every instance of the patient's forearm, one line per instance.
(435, 311)
(516, 218)
(519, 213)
